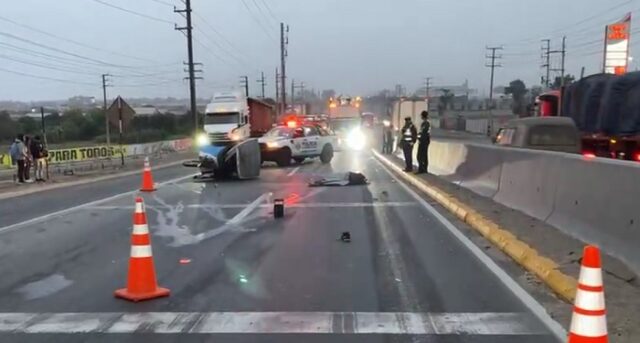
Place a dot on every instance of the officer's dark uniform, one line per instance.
(409, 136)
(424, 139)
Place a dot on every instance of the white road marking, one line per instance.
(293, 171)
(294, 205)
(238, 218)
(401, 323)
(86, 205)
(538, 310)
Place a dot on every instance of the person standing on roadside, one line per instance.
(39, 158)
(387, 137)
(18, 156)
(424, 139)
(28, 160)
(409, 137)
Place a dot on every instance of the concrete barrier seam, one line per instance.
(523, 254)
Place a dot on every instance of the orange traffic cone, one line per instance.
(147, 178)
(141, 281)
(589, 322)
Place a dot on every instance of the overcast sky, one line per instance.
(352, 46)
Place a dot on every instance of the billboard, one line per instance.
(616, 46)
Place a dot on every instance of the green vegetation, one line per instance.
(74, 126)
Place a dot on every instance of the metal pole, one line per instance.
(104, 107)
(564, 52)
(120, 130)
(283, 72)
(293, 100)
(277, 84)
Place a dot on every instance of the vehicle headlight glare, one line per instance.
(202, 139)
(356, 139)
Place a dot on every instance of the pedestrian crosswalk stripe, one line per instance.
(396, 323)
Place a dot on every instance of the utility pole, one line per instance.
(277, 84)
(192, 77)
(427, 85)
(284, 42)
(104, 107)
(546, 52)
(564, 53)
(244, 82)
(493, 65)
(262, 83)
(293, 91)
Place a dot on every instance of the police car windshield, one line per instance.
(282, 132)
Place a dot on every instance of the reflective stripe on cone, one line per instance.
(589, 321)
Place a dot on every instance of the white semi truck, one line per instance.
(228, 147)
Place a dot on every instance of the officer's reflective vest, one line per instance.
(406, 134)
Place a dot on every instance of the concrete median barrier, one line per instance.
(591, 200)
(596, 201)
(527, 182)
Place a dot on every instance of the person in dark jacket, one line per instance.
(39, 158)
(424, 139)
(409, 136)
(387, 138)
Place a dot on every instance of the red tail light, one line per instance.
(588, 155)
(636, 156)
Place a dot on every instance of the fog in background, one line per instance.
(353, 46)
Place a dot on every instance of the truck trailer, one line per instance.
(606, 110)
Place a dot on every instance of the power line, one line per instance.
(72, 41)
(226, 52)
(163, 2)
(212, 28)
(46, 66)
(24, 40)
(253, 16)
(574, 25)
(142, 15)
(266, 5)
(47, 78)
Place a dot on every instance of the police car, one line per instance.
(298, 142)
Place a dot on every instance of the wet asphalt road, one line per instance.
(243, 263)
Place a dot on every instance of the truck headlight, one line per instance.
(273, 145)
(202, 139)
(356, 139)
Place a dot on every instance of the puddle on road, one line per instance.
(45, 287)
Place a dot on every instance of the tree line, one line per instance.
(74, 125)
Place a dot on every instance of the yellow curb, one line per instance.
(544, 268)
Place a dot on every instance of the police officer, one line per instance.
(409, 137)
(424, 138)
(387, 138)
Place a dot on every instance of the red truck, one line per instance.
(262, 117)
(606, 110)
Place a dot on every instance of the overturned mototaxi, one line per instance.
(241, 160)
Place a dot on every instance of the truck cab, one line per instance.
(227, 118)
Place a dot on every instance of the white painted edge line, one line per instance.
(526, 298)
(89, 179)
(295, 170)
(89, 204)
(397, 323)
(295, 205)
